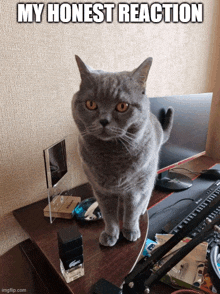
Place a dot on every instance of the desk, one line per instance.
(112, 264)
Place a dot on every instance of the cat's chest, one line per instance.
(109, 159)
(109, 165)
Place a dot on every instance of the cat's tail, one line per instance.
(167, 124)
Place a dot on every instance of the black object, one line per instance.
(208, 202)
(188, 135)
(69, 238)
(105, 287)
(71, 253)
(211, 174)
(171, 181)
(57, 162)
(190, 126)
(212, 241)
(70, 247)
(214, 260)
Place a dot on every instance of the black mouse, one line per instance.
(210, 174)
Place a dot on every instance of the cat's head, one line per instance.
(109, 105)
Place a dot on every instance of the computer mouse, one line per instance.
(88, 210)
(210, 174)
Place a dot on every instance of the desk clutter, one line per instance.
(191, 272)
(62, 206)
(69, 206)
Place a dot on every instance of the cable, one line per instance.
(213, 266)
(168, 207)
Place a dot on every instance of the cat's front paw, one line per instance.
(107, 240)
(131, 235)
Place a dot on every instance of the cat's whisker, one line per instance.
(127, 144)
(127, 134)
(134, 136)
(91, 128)
(121, 140)
(115, 132)
(130, 142)
(127, 187)
(84, 133)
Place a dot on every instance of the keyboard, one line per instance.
(205, 200)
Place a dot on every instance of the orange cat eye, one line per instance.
(91, 105)
(122, 107)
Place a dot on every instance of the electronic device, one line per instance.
(211, 201)
(88, 210)
(211, 174)
(208, 197)
(188, 136)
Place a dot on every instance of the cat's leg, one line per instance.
(135, 205)
(132, 212)
(109, 208)
(145, 205)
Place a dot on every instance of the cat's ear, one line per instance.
(140, 74)
(83, 68)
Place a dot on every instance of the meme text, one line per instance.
(104, 12)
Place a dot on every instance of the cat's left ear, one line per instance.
(83, 68)
(141, 73)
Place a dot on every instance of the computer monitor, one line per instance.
(188, 136)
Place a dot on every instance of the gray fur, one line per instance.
(121, 158)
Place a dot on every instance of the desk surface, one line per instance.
(113, 264)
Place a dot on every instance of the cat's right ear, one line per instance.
(83, 68)
(141, 73)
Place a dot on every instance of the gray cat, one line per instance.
(119, 144)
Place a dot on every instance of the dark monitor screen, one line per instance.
(190, 127)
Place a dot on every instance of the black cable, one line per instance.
(168, 207)
(213, 267)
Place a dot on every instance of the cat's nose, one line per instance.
(104, 122)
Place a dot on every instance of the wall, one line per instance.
(213, 83)
(39, 77)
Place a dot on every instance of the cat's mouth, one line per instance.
(107, 134)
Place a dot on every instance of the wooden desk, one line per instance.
(113, 264)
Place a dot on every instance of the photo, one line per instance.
(110, 147)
